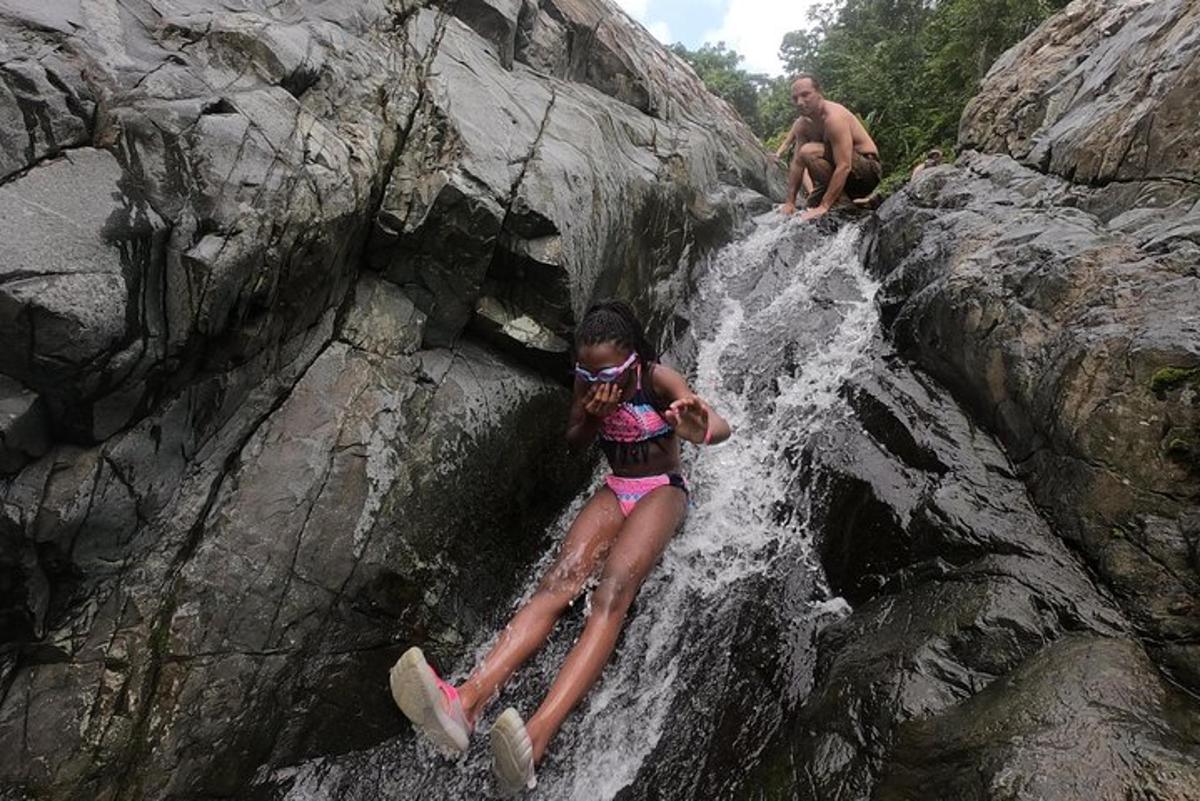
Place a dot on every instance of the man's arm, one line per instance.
(841, 142)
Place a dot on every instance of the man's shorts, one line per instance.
(865, 174)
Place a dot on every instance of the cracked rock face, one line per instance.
(1050, 284)
(1061, 308)
(285, 302)
(1104, 91)
(1025, 620)
(1063, 335)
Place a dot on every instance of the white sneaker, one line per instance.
(430, 703)
(512, 754)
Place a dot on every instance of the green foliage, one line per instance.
(718, 67)
(907, 67)
(765, 103)
(775, 111)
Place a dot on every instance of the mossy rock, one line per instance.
(1169, 378)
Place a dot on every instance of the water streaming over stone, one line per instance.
(778, 321)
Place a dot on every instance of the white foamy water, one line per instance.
(730, 528)
(776, 338)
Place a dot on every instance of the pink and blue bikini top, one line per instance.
(626, 434)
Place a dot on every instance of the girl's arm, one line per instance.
(590, 404)
(692, 418)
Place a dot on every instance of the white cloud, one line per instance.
(635, 8)
(661, 31)
(638, 9)
(754, 28)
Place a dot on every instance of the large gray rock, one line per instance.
(958, 586)
(45, 106)
(1051, 286)
(237, 480)
(1061, 307)
(1104, 91)
(23, 434)
(475, 207)
(1074, 344)
(1128, 733)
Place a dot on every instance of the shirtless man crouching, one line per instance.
(834, 154)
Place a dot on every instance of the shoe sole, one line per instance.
(416, 693)
(512, 754)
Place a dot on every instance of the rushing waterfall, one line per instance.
(778, 320)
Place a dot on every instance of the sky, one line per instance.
(753, 28)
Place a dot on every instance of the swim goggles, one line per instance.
(606, 376)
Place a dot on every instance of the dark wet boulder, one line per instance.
(956, 582)
(1022, 618)
(1051, 284)
(1074, 343)
(1086, 718)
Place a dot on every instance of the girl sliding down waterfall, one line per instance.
(637, 410)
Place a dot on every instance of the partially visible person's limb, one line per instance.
(637, 550)
(871, 201)
(795, 167)
(582, 550)
(798, 175)
(787, 142)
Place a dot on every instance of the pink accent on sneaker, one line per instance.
(454, 704)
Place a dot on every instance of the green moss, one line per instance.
(1169, 378)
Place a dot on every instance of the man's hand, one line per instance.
(788, 208)
(812, 214)
(602, 400)
(689, 417)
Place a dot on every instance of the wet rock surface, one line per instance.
(1024, 619)
(1074, 342)
(262, 425)
(1105, 91)
(965, 602)
(1128, 733)
(293, 286)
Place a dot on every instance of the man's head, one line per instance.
(934, 157)
(806, 94)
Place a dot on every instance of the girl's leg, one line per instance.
(589, 539)
(637, 550)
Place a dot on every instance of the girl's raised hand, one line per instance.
(689, 417)
(602, 400)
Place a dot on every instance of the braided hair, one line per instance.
(614, 321)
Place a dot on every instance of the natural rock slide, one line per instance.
(285, 301)
(285, 312)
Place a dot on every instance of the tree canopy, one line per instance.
(907, 67)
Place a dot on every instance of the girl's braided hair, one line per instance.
(614, 321)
